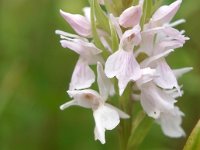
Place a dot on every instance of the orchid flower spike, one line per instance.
(131, 52)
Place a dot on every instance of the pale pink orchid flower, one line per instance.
(122, 63)
(167, 39)
(158, 33)
(159, 39)
(82, 25)
(165, 77)
(106, 116)
(156, 43)
(83, 76)
(159, 103)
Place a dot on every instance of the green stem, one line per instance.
(140, 128)
(132, 131)
(125, 125)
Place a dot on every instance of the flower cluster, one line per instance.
(115, 45)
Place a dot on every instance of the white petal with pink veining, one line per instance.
(79, 23)
(170, 122)
(123, 65)
(82, 77)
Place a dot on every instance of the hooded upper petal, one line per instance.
(165, 13)
(130, 38)
(79, 23)
(131, 16)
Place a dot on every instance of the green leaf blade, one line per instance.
(101, 17)
(193, 142)
(96, 38)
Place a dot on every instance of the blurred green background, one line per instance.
(35, 72)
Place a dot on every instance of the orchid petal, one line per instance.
(80, 47)
(87, 51)
(123, 65)
(179, 72)
(148, 74)
(86, 98)
(87, 11)
(147, 44)
(154, 58)
(99, 134)
(105, 119)
(171, 123)
(66, 35)
(79, 23)
(105, 85)
(166, 78)
(177, 22)
(68, 104)
(82, 77)
(154, 100)
(131, 16)
(115, 23)
(121, 114)
(165, 13)
(174, 93)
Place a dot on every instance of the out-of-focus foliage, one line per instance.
(35, 71)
